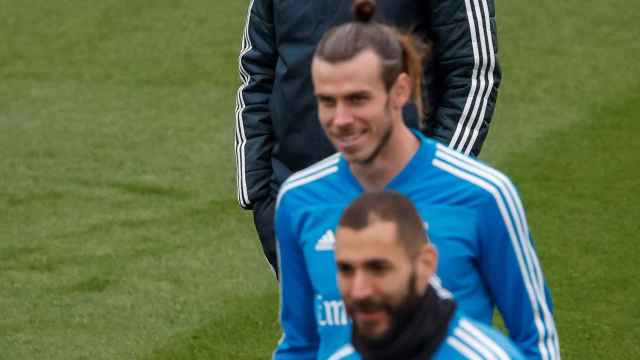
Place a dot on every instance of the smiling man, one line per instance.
(363, 75)
(277, 132)
(385, 264)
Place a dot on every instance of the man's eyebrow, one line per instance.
(356, 93)
(320, 95)
(359, 93)
(379, 262)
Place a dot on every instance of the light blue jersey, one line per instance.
(466, 339)
(475, 220)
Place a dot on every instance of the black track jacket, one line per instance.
(277, 131)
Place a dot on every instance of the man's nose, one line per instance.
(343, 115)
(361, 287)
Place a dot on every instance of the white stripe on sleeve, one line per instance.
(482, 81)
(240, 138)
(512, 213)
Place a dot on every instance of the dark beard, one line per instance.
(418, 327)
(383, 141)
(400, 315)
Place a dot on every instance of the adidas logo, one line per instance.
(326, 242)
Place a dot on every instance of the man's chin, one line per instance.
(352, 158)
(371, 334)
(357, 158)
(372, 326)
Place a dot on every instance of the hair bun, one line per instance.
(363, 10)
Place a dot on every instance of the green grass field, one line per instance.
(120, 237)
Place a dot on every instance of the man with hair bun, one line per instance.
(363, 76)
(385, 264)
(277, 131)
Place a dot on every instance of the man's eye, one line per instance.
(326, 101)
(345, 270)
(357, 99)
(378, 268)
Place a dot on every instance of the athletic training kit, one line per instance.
(466, 339)
(474, 218)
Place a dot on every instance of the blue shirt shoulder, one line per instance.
(470, 339)
(466, 339)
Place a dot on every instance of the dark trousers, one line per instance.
(263, 217)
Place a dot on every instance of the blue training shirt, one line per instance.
(475, 219)
(466, 339)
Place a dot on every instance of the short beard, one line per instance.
(400, 316)
(383, 141)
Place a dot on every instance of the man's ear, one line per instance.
(401, 91)
(427, 263)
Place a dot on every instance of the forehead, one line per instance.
(362, 72)
(376, 241)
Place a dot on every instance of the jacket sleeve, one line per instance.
(511, 271)
(300, 339)
(466, 68)
(254, 129)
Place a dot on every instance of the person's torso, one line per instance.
(446, 204)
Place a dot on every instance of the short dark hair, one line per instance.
(398, 52)
(391, 206)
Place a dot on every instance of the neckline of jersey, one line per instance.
(418, 161)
